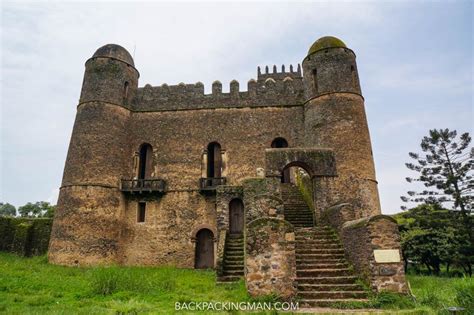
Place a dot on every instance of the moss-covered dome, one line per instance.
(114, 51)
(326, 42)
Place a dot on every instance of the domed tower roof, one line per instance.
(326, 42)
(114, 51)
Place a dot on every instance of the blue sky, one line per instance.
(414, 60)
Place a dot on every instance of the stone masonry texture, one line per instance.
(317, 107)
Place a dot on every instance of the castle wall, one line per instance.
(179, 140)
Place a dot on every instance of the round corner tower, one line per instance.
(335, 118)
(87, 226)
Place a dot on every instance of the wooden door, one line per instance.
(204, 249)
(236, 214)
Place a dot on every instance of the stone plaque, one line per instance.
(387, 255)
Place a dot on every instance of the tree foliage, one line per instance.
(7, 210)
(446, 170)
(433, 236)
(37, 209)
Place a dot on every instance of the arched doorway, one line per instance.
(236, 216)
(204, 257)
(145, 161)
(214, 160)
(282, 143)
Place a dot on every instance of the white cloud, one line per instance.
(45, 45)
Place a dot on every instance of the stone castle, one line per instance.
(169, 175)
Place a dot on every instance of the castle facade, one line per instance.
(169, 175)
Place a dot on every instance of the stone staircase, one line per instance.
(296, 210)
(322, 272)
(233, 267)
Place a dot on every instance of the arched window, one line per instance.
(279, 143)
(315, 80)
(282, 143)
(214, 160)
(125, 90)
(145, 161)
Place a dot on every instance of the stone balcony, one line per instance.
(141, 186)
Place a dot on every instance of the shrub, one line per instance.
(464, 295)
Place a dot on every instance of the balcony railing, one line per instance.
(210, 183)
(152, 185)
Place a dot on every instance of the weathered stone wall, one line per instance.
(338, 121)
(179, 140)
(262, 198)
(87, 226)
(361, 238)
(168, 234)
(270, 265)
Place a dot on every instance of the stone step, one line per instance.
(232, 254)
(326, 280)
(330, 287)
(315, 234)
(232, 247)
(234, 267)
(233, 272)
(316, 243)
(332, 294)
(328, 302)
(234, 257)
(229, 278)
(319, 256)
(318, 265)
(336, 272)
(320, 261)
(321, 245)
(319, 251)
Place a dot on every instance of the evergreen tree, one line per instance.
(446, 170)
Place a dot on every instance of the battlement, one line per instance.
(270, 89)
(294, 74)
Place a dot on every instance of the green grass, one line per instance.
(32, 286)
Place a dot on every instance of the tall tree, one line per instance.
(37, 209)
(446, 170)
(7, 210)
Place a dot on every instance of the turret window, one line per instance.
(353, 75)
(125, 90)
(315, 80)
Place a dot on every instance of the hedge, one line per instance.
(25, 236)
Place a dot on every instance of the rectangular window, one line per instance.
(315, 80)
(141, 212)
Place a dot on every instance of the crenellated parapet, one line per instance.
(270, 89)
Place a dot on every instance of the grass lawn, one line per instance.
(32, 286)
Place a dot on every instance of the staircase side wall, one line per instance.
(372, 245)
(270, 258)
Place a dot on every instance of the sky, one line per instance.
(415, 62)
